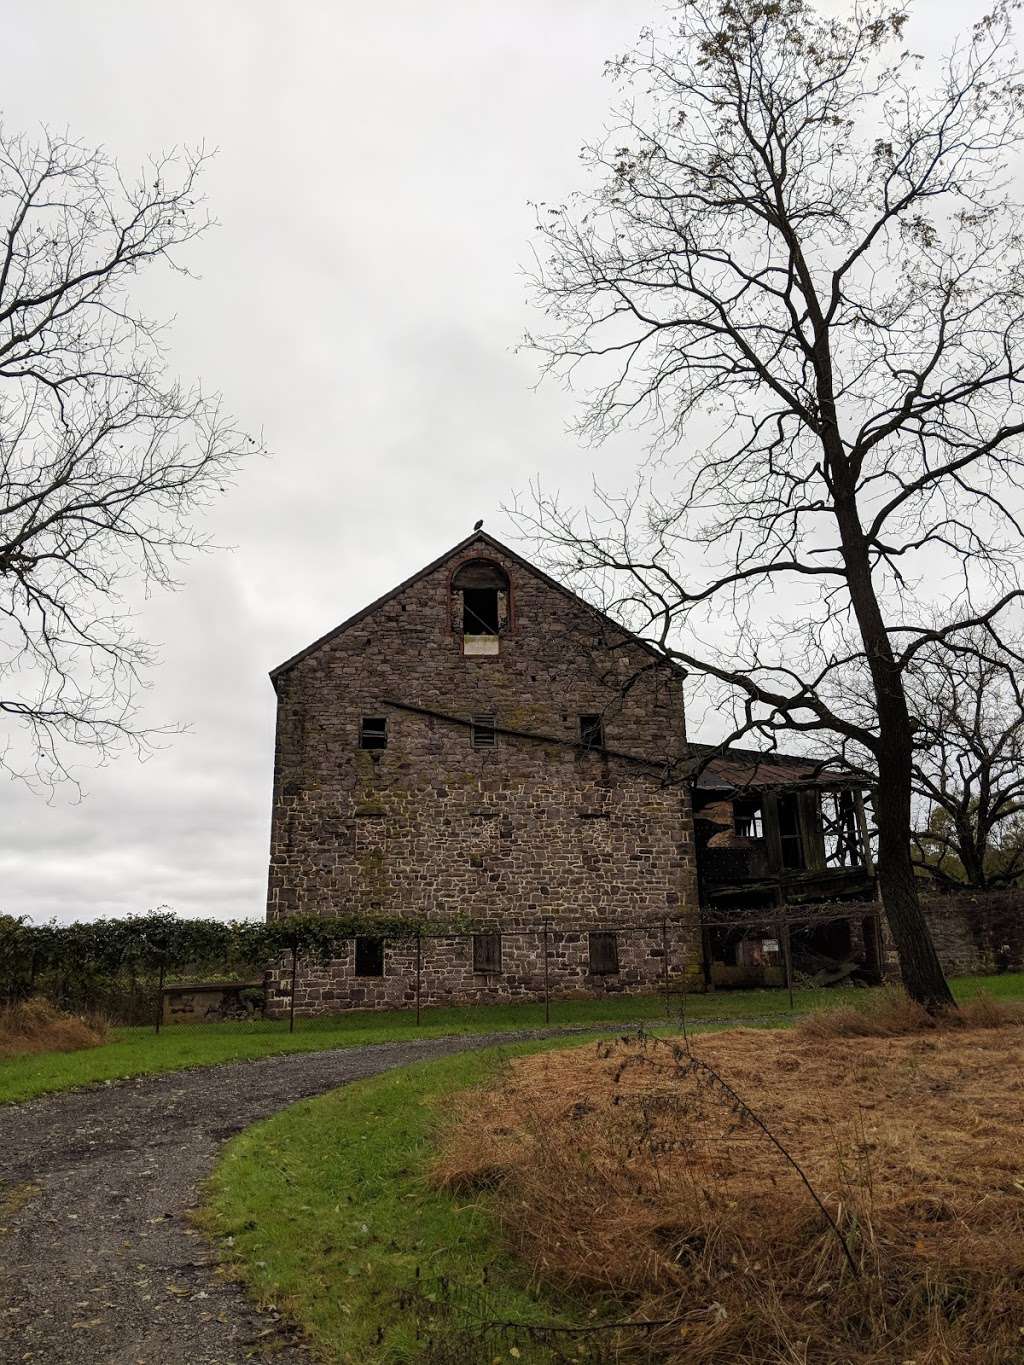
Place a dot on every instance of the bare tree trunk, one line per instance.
(972, 854)
(920, 967)
(763, 283)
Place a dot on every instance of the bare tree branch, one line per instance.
(969, 765)
(104, 461)
(800, 270)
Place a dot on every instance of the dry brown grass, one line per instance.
(624, 1171)
(37, 1026)
(893, 1014)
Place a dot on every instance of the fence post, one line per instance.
(783, 932)
(664, 969)
(547, 998)
(419, 972)
(160, 997)
(291, 1001)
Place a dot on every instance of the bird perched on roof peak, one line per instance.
(478, 525)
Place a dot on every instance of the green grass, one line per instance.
(326, 1210)
(141, 1052)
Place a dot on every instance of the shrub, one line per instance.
(36, 1026)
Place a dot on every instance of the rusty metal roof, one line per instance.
(732, 769)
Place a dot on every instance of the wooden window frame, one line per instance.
(795, 838)
(483, 732)
(591, 727)
(509, 627)
(365, 733)
(751, 811)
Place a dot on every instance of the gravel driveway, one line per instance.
(98, 1261)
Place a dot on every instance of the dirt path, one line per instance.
(98, 1262)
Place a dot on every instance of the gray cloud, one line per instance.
(359, 304)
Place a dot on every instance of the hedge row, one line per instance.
(76, 963)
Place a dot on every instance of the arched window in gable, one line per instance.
(480, 606)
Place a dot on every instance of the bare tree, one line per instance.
(104, 461)
(968, 765)
(801, 271)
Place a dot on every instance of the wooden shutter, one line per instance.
(604, 953)
(487, 953)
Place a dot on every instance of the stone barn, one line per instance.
(482, 747)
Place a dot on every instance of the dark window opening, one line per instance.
(373, 732)
(483, 733)
(604, 953)
(722, 943)
(789, 833)
(840, 830)
(480, 605)
(487, 953)
(480, 611)
(369, 957)
(747, 819)
(592, 731)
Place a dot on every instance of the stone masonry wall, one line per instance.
(434, 828)
(978, 932)
(447, 977)
(974, 932)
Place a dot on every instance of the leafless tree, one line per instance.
(104, 461)
(968, 765)
(800, 268)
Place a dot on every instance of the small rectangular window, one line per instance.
(369, 957)
(604, 953)
(480, 611)
(487, 953)
(592, 731)
(483, 732)
(373, 732)
(747, 819)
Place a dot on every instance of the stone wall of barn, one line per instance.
(503, 837)
(446, 971)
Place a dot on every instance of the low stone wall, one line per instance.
(209, 1001)
(447, 976)
(978, 932)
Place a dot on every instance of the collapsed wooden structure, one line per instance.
(786, 878)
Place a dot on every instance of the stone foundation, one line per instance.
(447, 976)
(974, 934)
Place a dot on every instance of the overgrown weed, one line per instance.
(35, 1025)
(639, 1172)
(892, 1014)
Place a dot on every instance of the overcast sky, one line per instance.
(359, 304)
